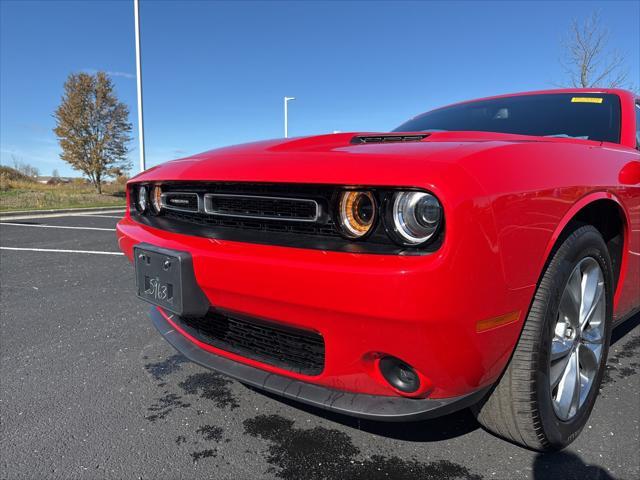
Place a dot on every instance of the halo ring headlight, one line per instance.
(142, 200)
(415, 217)
(357, 213)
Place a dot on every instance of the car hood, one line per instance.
(338, 159)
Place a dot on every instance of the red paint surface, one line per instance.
(506, 199)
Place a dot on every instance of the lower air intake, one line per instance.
(284, 347)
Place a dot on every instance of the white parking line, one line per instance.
(101, 216)
(55, 250)
(58, 226)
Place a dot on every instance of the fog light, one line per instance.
(400, 375)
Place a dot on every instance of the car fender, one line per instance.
(570, 215)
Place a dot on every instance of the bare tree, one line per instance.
(587, 60)
(24, 168)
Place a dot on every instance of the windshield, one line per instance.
(587, 116)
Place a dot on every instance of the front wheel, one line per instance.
(545, 396)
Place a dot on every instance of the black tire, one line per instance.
(519, 408)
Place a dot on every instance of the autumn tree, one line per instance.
(93, 127)
(588, 61)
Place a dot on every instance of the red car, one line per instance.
(478, 255)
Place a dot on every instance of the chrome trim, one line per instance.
(210, 211)
(163, 202)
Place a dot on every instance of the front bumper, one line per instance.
(374, 407)
(423, 310)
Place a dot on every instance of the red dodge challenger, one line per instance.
(477, 256)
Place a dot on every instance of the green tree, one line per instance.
(93, 127)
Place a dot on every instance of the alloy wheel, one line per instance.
(576, 348)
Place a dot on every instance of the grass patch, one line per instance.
(20, 194)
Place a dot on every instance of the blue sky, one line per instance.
(215, 73)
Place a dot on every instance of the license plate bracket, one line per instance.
(165, 278)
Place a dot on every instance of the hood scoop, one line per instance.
(360, 139)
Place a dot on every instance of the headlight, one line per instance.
(415, 217)
(156, 199)
(143, 199)
(357, 213)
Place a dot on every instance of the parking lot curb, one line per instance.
(35, 213)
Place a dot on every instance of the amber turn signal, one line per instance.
(156, 199)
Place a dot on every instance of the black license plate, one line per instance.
(166, 278)
(159, 277)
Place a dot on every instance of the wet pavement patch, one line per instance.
(321, 453)
(160, 370)
(614, 369)
(204, 454)
(164, 406)
(631, 348)
(211, 432)
(211, 386)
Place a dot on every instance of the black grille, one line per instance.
(289, 348)
(321, 229)
(289, 210)
(260, 207)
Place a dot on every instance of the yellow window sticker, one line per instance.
(586, 100)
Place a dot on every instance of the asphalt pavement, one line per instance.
(88, 389)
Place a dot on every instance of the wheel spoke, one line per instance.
(590, 354)
(593, 335)
(569, 310)
(567, 386)
(592, 289)
(560, 348)
(558, 370)
(574, 286)
(575, 399)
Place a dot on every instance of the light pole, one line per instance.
(136, 15)
(286, 115)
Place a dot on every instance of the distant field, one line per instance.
(20, 194)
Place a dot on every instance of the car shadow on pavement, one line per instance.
(442, 428)
(566, 466)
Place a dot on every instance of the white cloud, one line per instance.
(122, 74)
(111, 73)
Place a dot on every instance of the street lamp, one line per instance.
(136, 17)
(286, 116)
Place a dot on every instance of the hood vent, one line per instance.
(360, 139)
